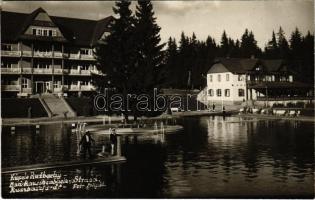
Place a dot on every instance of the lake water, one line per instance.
(212, 157)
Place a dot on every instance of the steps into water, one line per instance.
(63, 164)
(58, 106)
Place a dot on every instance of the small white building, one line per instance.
(236, 80)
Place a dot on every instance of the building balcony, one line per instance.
(58, 54)
(77, 56)
(40, 54)
(87, 88)
(27, 53)
(285, 98)
(10, 88)
(74, 56)
(42, 71)
(66, 71)
(86, 72)
(10, 70)
(74, 87)
(26, 70)
(87, 57)
(27, 90)
(81, 72)
(58, 89)
(10, 53)
(58, 71)
(75, 72)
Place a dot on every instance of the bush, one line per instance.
(278, 105)
(300, 104)
(290, 105)
(309, 105)
(18, 108)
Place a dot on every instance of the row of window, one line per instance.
(44, 32)
(56, 84)
(43, 49)
(241, 78)
(46, 66)
(6, 47)
(14, 82)
(241, 92)
(227, 77)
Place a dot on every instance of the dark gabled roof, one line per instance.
(77, 31)
(273, 65)
(100, 26)
(244, 65)
(11, 25)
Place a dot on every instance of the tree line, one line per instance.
(135, 61)
(188, 60)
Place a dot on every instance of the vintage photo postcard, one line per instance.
(157, 99)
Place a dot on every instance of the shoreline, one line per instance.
(100, 118)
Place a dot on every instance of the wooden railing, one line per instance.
(11, 53)
(43, 54)
(42, 71)
(284, 98)
(10, 87)
(10, 70)
(27, 70)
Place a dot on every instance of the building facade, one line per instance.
(235, 80)
(48, 54)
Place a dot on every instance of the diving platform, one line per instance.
(132, 131)
(64, 164)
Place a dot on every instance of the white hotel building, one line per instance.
(235, 80)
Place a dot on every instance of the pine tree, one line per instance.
(183, 60)
(296, 44)
(308, 57)
(249, 45)
(149, 49)
(273, 43)
(272, 49)
(282, 44)
(116, 53)
(183, 43)
(224, 48)
(171, 63)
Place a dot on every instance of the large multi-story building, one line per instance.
(235, 80)
(42, 53)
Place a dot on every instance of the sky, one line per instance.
(202, 17)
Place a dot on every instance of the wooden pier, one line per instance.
(64, 164)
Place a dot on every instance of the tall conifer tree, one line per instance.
(149, 49)
(116, 53)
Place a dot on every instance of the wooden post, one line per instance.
(126, 140)
(13, 130)
(118, 146)
(118, 173)
(135, 139)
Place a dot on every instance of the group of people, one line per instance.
(87, 140)
(213, 108)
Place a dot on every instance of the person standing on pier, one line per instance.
(86, 143)
(213, 107)
(113, 140)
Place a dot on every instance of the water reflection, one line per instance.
(212, 157)
(242, 158)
